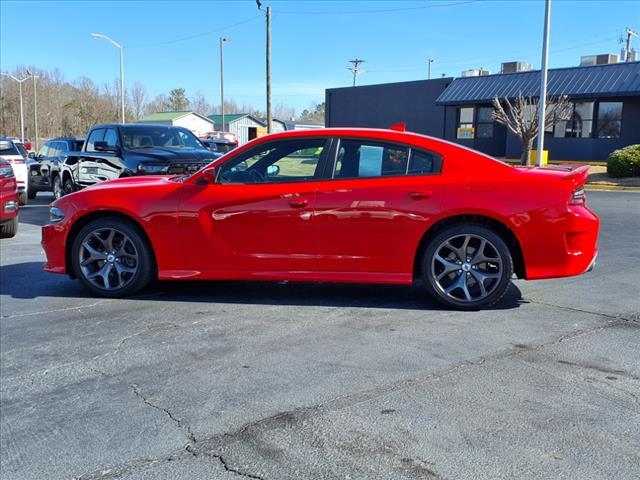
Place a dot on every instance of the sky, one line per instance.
(171, 44)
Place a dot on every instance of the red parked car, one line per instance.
(8, 200)
(334, 205)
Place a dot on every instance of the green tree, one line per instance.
(178, 99)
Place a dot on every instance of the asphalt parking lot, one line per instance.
(226, 380)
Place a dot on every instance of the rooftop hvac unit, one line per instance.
(633, 55)
(476, 72)
(513, 67)
(603, 59)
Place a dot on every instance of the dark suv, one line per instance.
(116, 151)
(44, 173)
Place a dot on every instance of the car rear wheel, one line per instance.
(22, 199)
(57, 187)
(467, 267)
(112, 258)
(10, 228)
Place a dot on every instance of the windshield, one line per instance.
(167, 137)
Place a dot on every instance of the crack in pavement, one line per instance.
(634, 318)
(207, 446)
(55, 310)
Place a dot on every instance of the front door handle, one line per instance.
(423, 195)
(298, 203)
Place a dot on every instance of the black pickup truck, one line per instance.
(114, 151)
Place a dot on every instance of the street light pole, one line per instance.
(21, 104)
(104, 37)
(223, 40)
(543, 82)
(35, 108)
(431, 60)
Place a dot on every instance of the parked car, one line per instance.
(12, 152)
(8, 200)
(334, 205)
(220, 144)
(44, 172)
(116, 151)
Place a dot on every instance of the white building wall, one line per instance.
(199, 126)
(241, 128)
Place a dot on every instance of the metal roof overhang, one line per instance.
(613, 80)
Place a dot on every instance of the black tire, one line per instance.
(145, 264)
(31, 193)
(10, 228)
(68, 186)
(56, 187)
(497, 270)
(22, 199)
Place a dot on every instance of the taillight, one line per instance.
(578, 197)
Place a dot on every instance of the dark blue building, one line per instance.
(606, 109)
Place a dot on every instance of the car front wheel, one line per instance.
(68, 187)
(467, 267)
(57, 187)
(112, 258)
(22, 199)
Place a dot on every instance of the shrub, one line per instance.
(624, 162)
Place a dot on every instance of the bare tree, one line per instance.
(200, 104)
(139, 99)
(521, 117)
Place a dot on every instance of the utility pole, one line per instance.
(355, 69)
(20, 82)
(35, 108)
(630, 33)
(223, 40)
(268, 16)
(543, 82)
(431, 60)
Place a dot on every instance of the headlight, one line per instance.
(55, 215)
(152, 168)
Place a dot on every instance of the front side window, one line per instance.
(609, 119)
(96, 136)
(277, 162)
(63, 147)
(362, 158)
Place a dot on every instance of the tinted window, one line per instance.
(284, 161)
(609, 119)
(96, 136)
(63, 147)
(111, 137)
(12, 150)
(358, 158)
(422, 162)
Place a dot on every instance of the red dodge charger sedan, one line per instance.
(332, 205)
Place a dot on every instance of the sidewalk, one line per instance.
(598, 179)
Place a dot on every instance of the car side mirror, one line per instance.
(210, 175)
(105, 147)
(33, 155)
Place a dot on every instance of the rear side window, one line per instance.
(421, 162)
(96, 135)
(359, 159)
(12, 150)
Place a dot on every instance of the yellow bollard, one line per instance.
(533, 157)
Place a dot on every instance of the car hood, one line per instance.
(170, 155)
(140, 181)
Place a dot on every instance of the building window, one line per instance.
(465, 123)
(484, 123)
(609, 119)
(581, 123)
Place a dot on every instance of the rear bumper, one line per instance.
(563, 246)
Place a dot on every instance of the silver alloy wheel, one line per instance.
(108, 258)
(57, 188)
(466, 267)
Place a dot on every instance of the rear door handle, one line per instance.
(298, 203)
(420, 195)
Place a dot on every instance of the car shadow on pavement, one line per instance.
(28, 280)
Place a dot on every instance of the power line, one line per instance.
(198, 35)
(385, 10)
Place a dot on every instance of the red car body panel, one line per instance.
(8, 193)
(357, 230)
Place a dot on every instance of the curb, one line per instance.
(612, 187)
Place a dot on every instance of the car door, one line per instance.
(373, 212)
(99, 166)
(258, 215)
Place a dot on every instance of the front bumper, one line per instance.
(53, 244)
